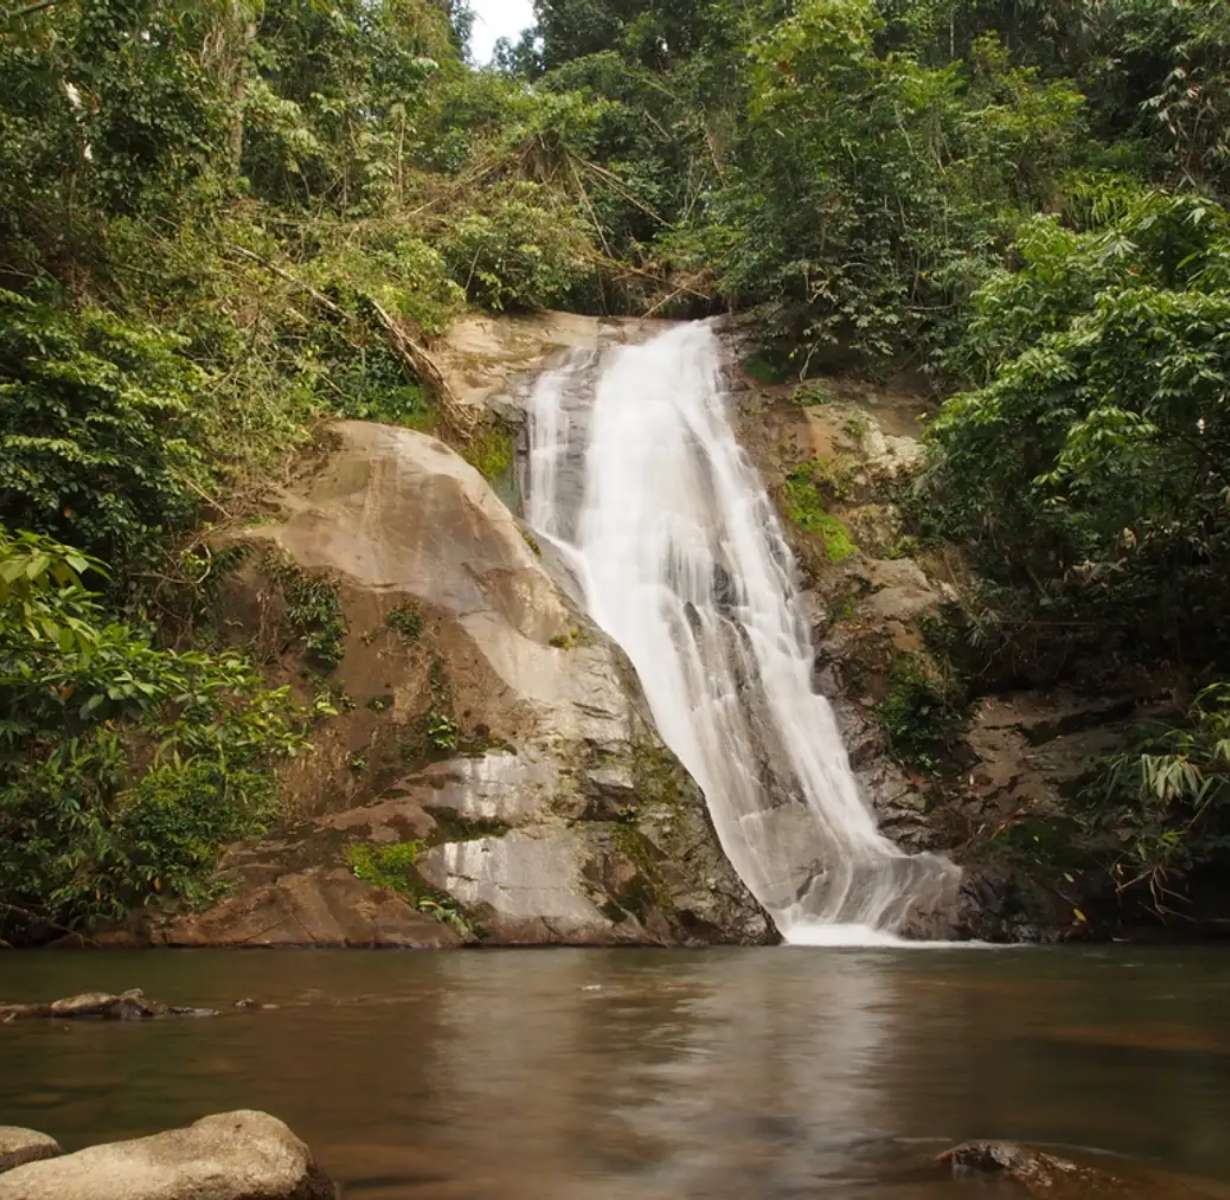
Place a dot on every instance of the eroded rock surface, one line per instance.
(488, 361)
(885, 610)
(233, 1156)
(317, 906)
(492, 741)
(20, 1146)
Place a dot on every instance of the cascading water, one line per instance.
(636, 478)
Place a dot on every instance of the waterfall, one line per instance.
(637, 481)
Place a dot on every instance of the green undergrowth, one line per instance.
(1152, 820)
(437, 734)
(406, 620)
(314, 613)
(491, 451)
(393, 866)
(124, 767)
(923, 715)
(805, 507)
(766, 368)
(815, 393)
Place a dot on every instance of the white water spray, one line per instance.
(636, 477)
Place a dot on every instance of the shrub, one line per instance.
(524, 251)
(314, 612)
(1158, 815)
(1091, 469)
(406, 620)
(920, 715)
(123, 768)
(491, 451)
(99, 430)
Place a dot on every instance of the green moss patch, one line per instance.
(804, 507)
(392, 866)
(490, 451)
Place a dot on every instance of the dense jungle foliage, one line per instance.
(216, 217)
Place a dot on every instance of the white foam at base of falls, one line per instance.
(638, 481)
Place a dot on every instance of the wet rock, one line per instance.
(21, 1146)
(1033, 1172)
(1029, 748)
(132, 1005)
(549, 811)
(485, 358)
(233, 1156)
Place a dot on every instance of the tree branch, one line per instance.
(31, 9)
(414, 357)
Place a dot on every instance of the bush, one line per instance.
(99, 429)
(524, 251)
(1092, 468)
(1158, 816)
(921, 716)
(123, 768)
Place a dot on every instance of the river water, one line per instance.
(767, 1074)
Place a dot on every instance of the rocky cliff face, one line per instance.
(975, 765)
(492, 773)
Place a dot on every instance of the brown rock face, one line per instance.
(21, 1146)
(234, 1156)
(321, 906)
(492, 744)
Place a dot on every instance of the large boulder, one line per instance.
(493, 773)
(233, 1156)
(20, 1146)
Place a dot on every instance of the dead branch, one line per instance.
(460, 419)
(31, 9)
(415, 359)
(664, 302)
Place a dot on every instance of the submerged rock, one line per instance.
(1032, 1171)
(20, 1146)
(232, 1156)
(132, 1005)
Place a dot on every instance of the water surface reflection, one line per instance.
(656, 1076)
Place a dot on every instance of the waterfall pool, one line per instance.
(774, 1074)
